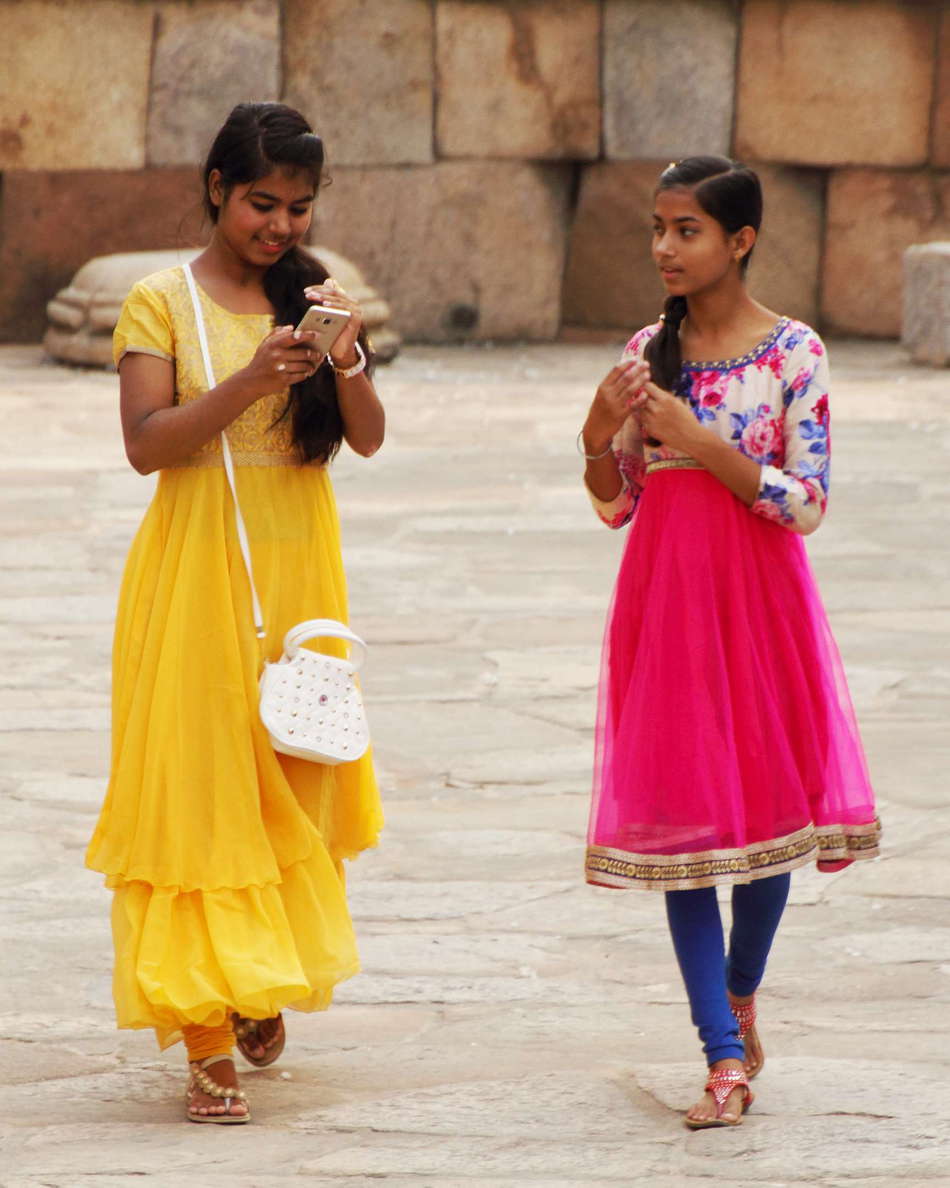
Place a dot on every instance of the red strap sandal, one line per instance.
(745, 1015)
(721, 1084)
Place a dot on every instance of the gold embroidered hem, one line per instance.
(674, 464)
(608, 867)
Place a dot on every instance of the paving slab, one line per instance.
(512, 1027)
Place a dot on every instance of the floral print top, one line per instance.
(772, 404)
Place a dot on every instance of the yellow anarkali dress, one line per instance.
(225, 858)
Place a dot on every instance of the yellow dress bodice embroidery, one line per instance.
(158, 319)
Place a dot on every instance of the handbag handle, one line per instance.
(325, 629)
(228, 460)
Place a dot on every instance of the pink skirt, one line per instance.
(726, 748)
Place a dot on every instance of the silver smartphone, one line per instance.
(327, 323)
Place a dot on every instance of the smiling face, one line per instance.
(693, 252)
(262, 220)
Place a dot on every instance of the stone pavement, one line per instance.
(512, 1026)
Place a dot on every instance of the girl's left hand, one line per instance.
(330, 292)
(666, 418)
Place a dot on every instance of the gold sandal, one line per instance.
(245, 1032)
(200, 1082)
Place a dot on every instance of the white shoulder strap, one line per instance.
(228, 460)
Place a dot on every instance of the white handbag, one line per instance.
(310, 703)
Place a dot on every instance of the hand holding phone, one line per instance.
(327, 322)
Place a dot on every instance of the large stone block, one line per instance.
(462, 250)
(518, 80)
(362, 72)
(785, 270)
(51, 223)
(926, 322)
(940, 147)
(207, 57)
(73, 83)
(873, 216)
(823, 82)
(611, 280)
(669, 77)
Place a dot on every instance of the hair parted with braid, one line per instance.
(731, 193)
(254, 140)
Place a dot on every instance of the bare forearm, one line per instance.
(364, 418)
(601, 474)
(737, 472)
(170, 435)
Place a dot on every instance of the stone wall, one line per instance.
(492, 160)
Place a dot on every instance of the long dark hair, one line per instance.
(256, 139)
(728, 191)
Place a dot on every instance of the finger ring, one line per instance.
(281, 366)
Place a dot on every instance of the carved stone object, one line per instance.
(83, 315)
(926, 327)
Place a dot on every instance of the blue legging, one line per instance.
(698, 940)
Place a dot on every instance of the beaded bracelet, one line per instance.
(591, 457)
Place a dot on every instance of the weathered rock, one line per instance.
(83, 315)
(669, 77)
(465, 250)
(74, 85)
(804, 98)
(361, 71)
(610, 279)
(518, 80)
(785, 270)
(873, 216)
(52, 222)
(926, 323)
(206, 58)
(940, 147)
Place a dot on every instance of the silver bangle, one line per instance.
(591, 457)
(349, 372)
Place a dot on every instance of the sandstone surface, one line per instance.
(52, 222)
(610, 278)
(206, 58)
(362, 73)
(940, 149)
(511, 1027)
(826, 83)
(925, 330)
(462, 250)
(518, 80)
(669, 77)
(873, 216)
(74, 88)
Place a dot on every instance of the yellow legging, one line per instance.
(203, 1042)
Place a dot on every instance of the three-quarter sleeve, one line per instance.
(627, 447)
(795, 494)
(144, 326)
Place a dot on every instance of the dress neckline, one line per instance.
(740, 360)
(224, 309)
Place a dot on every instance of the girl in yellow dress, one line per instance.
(224, 857)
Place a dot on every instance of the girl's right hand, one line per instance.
(281, 359)
(620, 393)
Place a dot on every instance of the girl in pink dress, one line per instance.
(726, 746)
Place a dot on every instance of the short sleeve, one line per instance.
(796, 494)
(144, 326)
